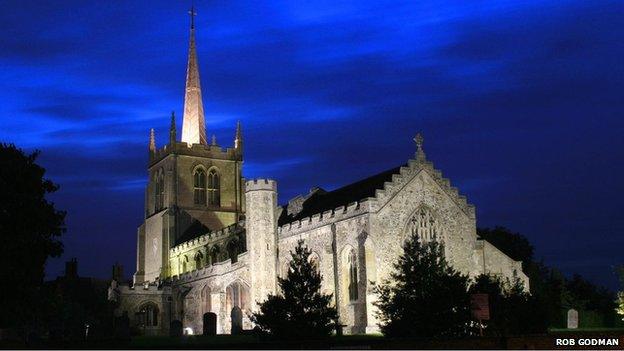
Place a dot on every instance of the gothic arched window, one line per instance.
(198, 260)
(159, 190)
(199, 187)
(184, 264)
(232, 248)
(149, 315)
(214, 254)
(425, 226)
(353, 276)
(214, 188)
(237, 295)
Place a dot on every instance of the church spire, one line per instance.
(152, 141)
(238, 139)
(172, 129)
(193, 123)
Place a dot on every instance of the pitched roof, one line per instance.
(321, 201)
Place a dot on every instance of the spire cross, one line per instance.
(193, 14)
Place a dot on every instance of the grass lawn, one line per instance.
(583, 330)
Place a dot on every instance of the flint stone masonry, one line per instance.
(223, 256)
(197, 276)
(372, 229)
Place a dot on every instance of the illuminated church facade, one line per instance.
(213, 242)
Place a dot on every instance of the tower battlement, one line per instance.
(261, 184)
(195, 150)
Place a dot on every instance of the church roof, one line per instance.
(320, 201)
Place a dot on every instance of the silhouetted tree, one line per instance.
(301, 310)
(513, 310)
(551, 291)
(29, 230)
(514, 245)
(424, 296)
(619, 309)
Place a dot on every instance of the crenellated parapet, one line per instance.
(150, 287)
(216, 269)
(327, 217)
(196, 150)
(260, 184)
(208, 238)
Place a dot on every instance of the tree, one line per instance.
(514, 245)
(424, 296)
(301, 310)
(619, 309)
(513, 310)
(30, 227)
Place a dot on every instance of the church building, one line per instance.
(213, 242)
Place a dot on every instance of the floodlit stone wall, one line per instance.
(365, 237)
(261, 225)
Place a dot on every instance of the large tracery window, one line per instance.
(214, 196)
(237, 295)
(425, 226)
(199, 187)
(353, 276)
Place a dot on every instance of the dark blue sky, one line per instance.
(520, 102)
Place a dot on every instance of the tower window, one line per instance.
(214, 196)
(199, 187)
(159, 190)
(353, 277)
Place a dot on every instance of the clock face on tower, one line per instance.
(154, 247)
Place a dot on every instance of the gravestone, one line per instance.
(573, 319)
(210, 324)
(237, 320)
(175, 328)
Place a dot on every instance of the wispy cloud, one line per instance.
(520, 101)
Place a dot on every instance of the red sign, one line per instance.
(479, 306)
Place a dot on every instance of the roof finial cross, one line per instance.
(418, 139)
(420, 154)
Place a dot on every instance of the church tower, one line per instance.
(193, 187)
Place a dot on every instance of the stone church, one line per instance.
(214, 242)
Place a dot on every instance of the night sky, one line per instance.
(521, 104)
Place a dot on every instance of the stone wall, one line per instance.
(154, 246)
(496, 263)
(134, 298)
(365, 237)
(191, 289)
(261, 232)
(204, 247)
